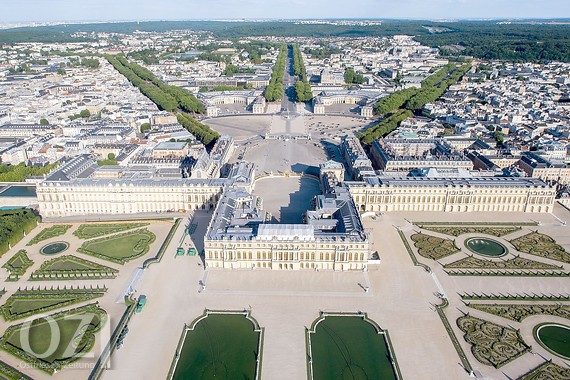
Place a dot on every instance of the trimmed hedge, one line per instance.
(90, 231)
(140, 248)
(85, 343)
(72, 268)
(49, 233)
(46, 300)
(18, 265)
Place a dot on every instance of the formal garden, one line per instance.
(349, 347)
(32, 341)
(541, 245)
(461, 230)
(488, 255)
(17, 265)
(27, 302)
(219, 345)
(517, 262)
(492, 344)
(433, 247)
(72, 268)
(518, 312)
(49, 233)
(28, 336)
(90, 231)
(547, 371)
(120, 248)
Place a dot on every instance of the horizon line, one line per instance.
(257, 19)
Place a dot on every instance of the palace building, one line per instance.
(332, 237)
(495, 194)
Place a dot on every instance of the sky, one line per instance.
(116, 10)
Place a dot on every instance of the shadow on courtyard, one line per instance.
(299, 202)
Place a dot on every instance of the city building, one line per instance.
(407, 154)
(537, 166)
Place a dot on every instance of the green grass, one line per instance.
(24, 303)
(17, 265)
(347, 347)
(49, 233)
(8, 372)
(120, 248)
(555, 338)
(221, 346)
(73, 268)
(90, 231)
(78, 331)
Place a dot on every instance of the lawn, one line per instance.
(221, 346)
(49, 233)
(90, 231)
(17, 265)
(73, 268)
(348, 347)
(120, 248)
(24, 303)
(76, 337)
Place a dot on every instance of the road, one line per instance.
(288, 105)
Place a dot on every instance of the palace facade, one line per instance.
(494, 194)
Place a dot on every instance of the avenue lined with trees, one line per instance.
(402, 104)
(166, 97)
(274, 91)
(302, 87)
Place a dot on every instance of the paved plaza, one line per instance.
(401, 299)
(287, 198)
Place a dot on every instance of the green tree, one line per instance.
(351, 77)
(84, 114)
(499, 136)
(111, 156)
(145, 127)
(90, 63)
(44, 121)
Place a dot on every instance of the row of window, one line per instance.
(284, 256)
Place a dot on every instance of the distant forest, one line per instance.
(481, 39)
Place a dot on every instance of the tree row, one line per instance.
(303, 91)
(166, 97)
(274, 91)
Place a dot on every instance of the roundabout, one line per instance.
(54, 248)
(486, 247)
(555, 338)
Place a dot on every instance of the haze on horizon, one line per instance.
(122, 10)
